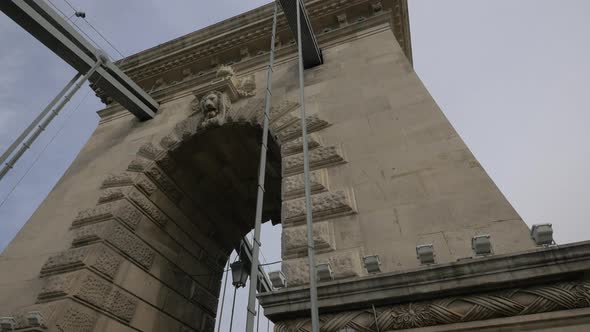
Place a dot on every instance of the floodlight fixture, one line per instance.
(372, 263)
(481, 245)
(425, 253)
(277, 279)
(542, 234)
(325, 272)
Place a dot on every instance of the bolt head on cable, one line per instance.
(80, 14)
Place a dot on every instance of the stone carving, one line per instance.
(166, 163)
(294, 186)
(284, 122)
(120, 238)
(296, 146)
(313, 122)
(324, 206)
(202, 296)
(294, 239)
(187, 128)
(318, 158)
(138, 165)
(146, 185)
(344, 263)
(515, 302)
(148, 207)
(121, 210)
(91, 289)
(247, 86)
(77, 319)
(166, 184)
(168, 141)
(215, 104)
(138, 198)
(149, 151)
(377, 7)
(96, 256)
(118, 180)
(225, 71)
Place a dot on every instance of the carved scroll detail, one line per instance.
(514, 302)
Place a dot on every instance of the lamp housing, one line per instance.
(425, 253)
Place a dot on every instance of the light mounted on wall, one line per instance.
(372, 263)
(239, 273)
(278, 280)
(325, 272)
(425, 253)
(542, 234)
(35, 318)
(481, 245)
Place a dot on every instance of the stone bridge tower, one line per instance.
(135, 235)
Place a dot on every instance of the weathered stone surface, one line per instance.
(296, 146)
(326, 205)
(149, 151)
(149, 208)
(314, 123)
(97, 256)
(513, 302)
(294, 186)
(77, 318)
(344, 264)
(92, 289)
(318, 158)
(294, 239)
(121, 210)
(120, 238)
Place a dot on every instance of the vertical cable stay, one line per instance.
(226, 272)
(313, 292)
(261, 177)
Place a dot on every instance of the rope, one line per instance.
(43, 150)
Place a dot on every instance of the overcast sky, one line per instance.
(513, 77)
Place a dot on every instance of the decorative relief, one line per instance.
(247, 86)
(138, 198)
(296, 146)
(324, 206)
(187, 127)
(91, 289)
(294, 239)
(168, 141)
(318, 158)
(345, 263)
(120, 238)
(313, 122)
(284, 122)
(121, 210)
(514, 302)
(294, 186)
(77, 319)
(138, 164)
(149, 151)
(98, 257)
(166, 185)
(118, 180)
(281, 109)
(202, 296)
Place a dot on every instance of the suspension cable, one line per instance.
(233, 306)
(223, 296)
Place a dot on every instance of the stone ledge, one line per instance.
(535, 267)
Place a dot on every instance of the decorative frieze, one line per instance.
(313, 122)
(294, 186)
(459, 309)
(92, 289)
(77, 318)
(318, 158)
(149, 151)
(327, 205)
(296, 146)
(119, 237)
(294, 239)
(284, 122)
(131, 193)
(166, 185)
(138, 164)
(97, 257)
(122, 210)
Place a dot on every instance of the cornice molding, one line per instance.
(245, 37)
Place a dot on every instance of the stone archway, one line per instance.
(163, 228)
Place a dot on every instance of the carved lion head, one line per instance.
(213, 104)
